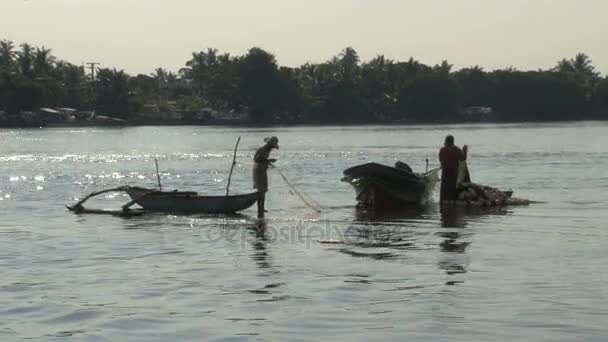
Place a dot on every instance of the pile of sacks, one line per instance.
(476, 195)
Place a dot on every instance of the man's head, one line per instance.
(273, 142)
(449, 140)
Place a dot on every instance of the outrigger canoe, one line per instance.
(182, 202)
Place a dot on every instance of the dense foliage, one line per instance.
(341, 90)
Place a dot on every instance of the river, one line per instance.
(534, 273)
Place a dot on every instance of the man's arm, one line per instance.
(261, 156)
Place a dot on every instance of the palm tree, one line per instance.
(444, 68)
(7, 53)
(200, 68)
(379, 83)
(348, 60)
(171, 77)
(476, 69)
(160, 75)
(583, 71)
(565, 66)
(71, 78)
(413, 68)
(25, 59)
(380, 63)
(582, 64)
(113, 92)
(43, 61)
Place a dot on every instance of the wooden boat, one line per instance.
(185, 202)
(190, 202)
(380, 188)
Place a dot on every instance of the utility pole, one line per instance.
(92, 66)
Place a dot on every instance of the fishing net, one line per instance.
(305, 198)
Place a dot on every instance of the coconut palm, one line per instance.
(43, 61)
(565, 66)
(7, 53)
(200, 68)
(582, 64)
(160, 75)
(443, 69)
(348, 61)
(379, 81)
(71, 78)
(25, 59)
(413, 68)
(113, 92)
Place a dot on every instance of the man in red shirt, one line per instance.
(450, 156)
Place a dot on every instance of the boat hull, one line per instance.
(190, 202)
(383, 188)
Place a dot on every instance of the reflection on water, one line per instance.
(260, 254)
(459, 217)
(383, 217)
(455, 219)
(456, 239)
(390, 235)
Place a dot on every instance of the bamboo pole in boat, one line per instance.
(236, 147)
(160, 187)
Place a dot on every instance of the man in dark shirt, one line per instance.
(450, 156)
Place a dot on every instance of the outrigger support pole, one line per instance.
(125, 211)
(78, 206)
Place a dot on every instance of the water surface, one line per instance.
(536, 273)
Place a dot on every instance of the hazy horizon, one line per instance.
(138, 37)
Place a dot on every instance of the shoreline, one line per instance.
(292, 124)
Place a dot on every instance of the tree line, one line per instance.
(343, 89)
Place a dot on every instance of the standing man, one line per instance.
(260, 171)
(450, 156)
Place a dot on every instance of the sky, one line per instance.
(141, 35)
